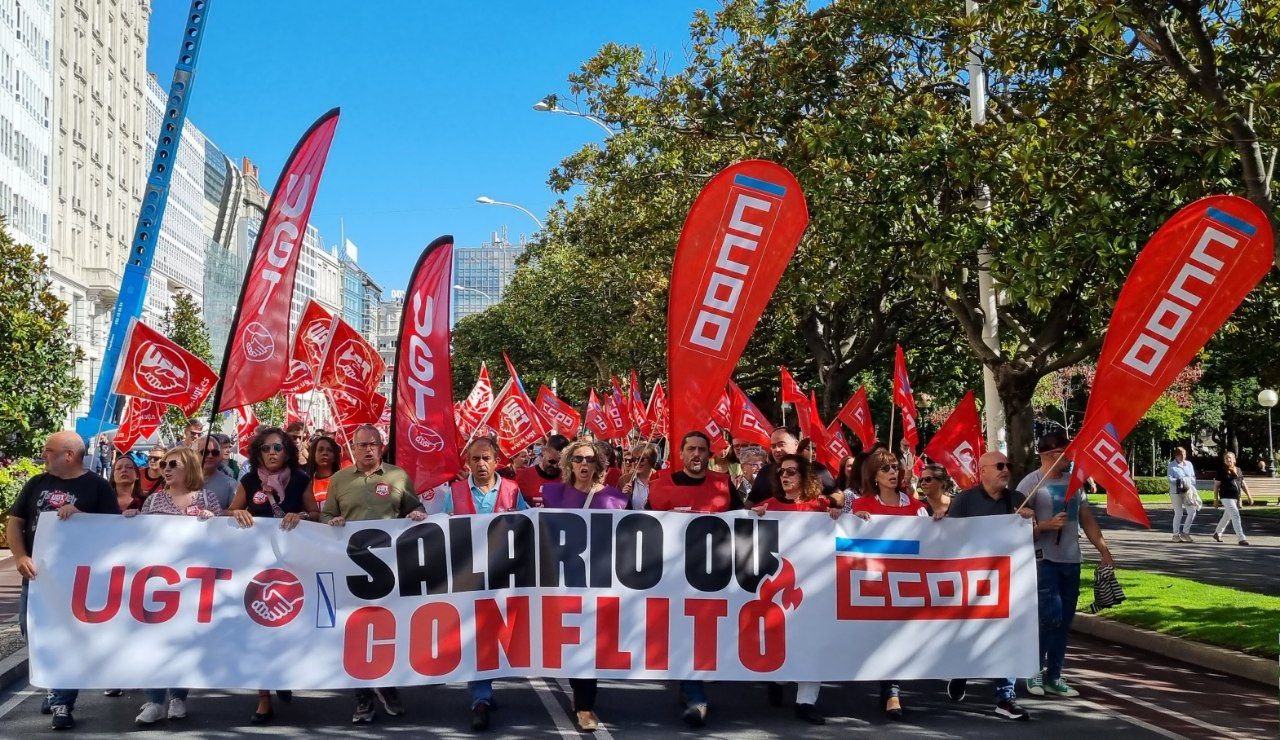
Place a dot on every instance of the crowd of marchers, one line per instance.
(289, 476)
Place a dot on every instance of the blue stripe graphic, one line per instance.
(1227, 219)
(747, 181)
(878, 547)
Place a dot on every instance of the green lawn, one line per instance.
(1239, 620)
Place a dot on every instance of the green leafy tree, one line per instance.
(38, 352)
(183, 324)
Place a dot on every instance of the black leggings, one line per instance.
(584, 694)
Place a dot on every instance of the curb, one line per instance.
(1231, 662)
(13, 669)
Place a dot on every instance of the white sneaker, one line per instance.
(151, 714)
(1186, 537)
(177, 708)
(1177, 537)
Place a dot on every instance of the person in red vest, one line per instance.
(483, 491)
(693, 488)
(547, 470)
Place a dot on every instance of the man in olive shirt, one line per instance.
(370, 490)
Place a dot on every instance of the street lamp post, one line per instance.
(485, 200)
(1267, 398)
(473, 290)
(550, 105)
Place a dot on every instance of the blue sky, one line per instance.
(436, 103)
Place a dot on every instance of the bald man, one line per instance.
(66, 488)
(990, 497)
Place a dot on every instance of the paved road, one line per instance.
(1133, 695)
(1225, 563)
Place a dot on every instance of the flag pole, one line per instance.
(893, 410)
(1039, 483)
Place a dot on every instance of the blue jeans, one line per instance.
(157, 696)
(695, 692)
(65, 697)
(481, 692)
(1059, 591)
(1004, 689)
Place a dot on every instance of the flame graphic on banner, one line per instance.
(784, 582)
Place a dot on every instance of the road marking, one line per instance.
(19, 696)
(566, 692)
(1107, 690)
(1131, 720)
(548, 698)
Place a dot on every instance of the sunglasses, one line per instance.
(788, 471)
(170, 464)
(273, 447)
(628, 459)
(212, 453)
(887, 468)
(930, 479)
(999, 465)
(154, 459)
(583, 458)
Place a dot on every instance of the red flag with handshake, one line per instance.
(423, 438)
(352, 363)
(141, 419)
(258, 349)
(515, 418)
(157, 369)
(737, 240)
(476, 405)
(564, 418)
(856, 414)
(958, 443)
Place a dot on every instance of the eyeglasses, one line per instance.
(212, 453)
(170, 464)
(788, 471)
(999, 465)
(583, 458)
(367, 445)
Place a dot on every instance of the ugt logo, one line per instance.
(353, 364)
(161, 371)
(257, 343)
(424, 438)
(274, 597)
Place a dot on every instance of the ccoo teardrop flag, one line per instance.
(958, 443)
(154, 367)
(737, 240)
(423, 438)
(258, 351)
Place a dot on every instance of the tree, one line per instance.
(38, 352)
(183, 324)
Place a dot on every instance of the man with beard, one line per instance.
(547, 470)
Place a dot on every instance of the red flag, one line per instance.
(142, 418)
(1097, 454)
(805, 411)
(352, 363)
(856, 415)
(1187, 280)
(636, 407)
(311, 342)
(477, 404)
(299, 380)
(746, 421)
(258, 349)
(563, 417)
(295, 410)
(516, 420)
(423, 438)
(958, 443)
(620, 400)
(595, 417)
(656, 414)
(905, 399)
(737, 240)
(722, 412)
(154, 367)
(246, 427)
(835, 448)
(613, 415)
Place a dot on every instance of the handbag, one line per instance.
(1106, 589)
(1192, 498)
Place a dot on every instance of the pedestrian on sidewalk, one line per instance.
(1059, 520)
(1182, 486)
(65, 487)
(1227, 488)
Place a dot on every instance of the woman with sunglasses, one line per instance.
(583, 487)
(637, 468)
(882, 497)
(275, 487)
(323, 459)
(936, 487)
(183, 495)
(796, 488)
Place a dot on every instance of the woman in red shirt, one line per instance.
(881, 497)
(323, 460)
(796, 487)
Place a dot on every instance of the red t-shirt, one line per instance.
(612, 476)
(773, 503)
(873, 505)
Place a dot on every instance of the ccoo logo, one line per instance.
(273, 598)
(257, 343)
(161, 370)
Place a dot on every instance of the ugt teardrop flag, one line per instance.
(258, 350)
(154, 367)
(423, 438)
(739, 236)
(1187, 280)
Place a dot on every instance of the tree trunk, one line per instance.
(1016, 390)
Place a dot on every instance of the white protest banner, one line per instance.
(174, 601)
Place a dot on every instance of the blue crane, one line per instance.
(137, 270)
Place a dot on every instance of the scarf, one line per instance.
(273, 484)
